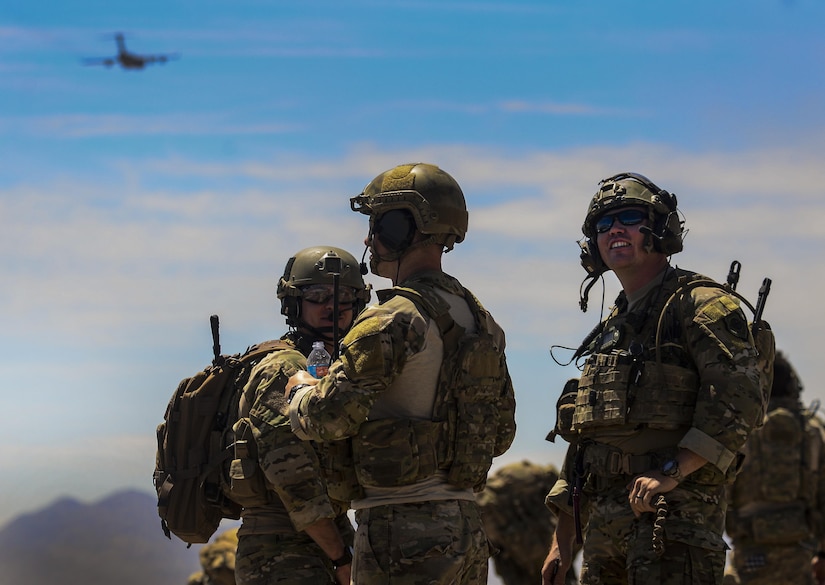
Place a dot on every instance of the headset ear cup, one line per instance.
(590, 258)
(396, 229)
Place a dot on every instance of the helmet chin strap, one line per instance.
(397, 255)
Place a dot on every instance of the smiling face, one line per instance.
(625, 249)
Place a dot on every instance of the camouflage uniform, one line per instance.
(776, 515)
(518, 527)
(422, 529)
(636, 406)
(272, 547)
(217, 561)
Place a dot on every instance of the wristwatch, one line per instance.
(670, 468)
(345, 559)
(293, 390)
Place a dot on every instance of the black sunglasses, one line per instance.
(625, 217)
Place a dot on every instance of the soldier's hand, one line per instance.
(643, 489)
(343, 574)
(299, 377)
(550, 571)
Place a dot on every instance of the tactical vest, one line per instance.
(640, 372)
(623, 382)
(461, 437)
(249, 485)
(774, 500)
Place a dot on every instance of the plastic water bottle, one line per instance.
(318, 360)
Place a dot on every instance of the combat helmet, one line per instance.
(786, 382)
(625, 189)
(317, 265)
(665, 229)
(432, 198)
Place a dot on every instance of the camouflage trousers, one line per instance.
(619, 548)
(266, 559)
(776, 564)
(427, 543)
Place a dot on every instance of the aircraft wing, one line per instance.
(105, 61)
(158, 58)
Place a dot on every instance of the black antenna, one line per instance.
(733, 274)
(333, 265)
(216, 339)
(764, 291)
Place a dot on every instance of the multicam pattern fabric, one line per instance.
(375, 351)
(429, 543)
(618, 547)
(652, 385)
(217, 560)
(420, 543)
(518, 526)
(289, 559)
(272, 548)
(776, 515)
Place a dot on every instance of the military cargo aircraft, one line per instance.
(126, 59)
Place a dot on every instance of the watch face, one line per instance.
(670, 467)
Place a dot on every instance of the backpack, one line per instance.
(763, 337)
(196, 444)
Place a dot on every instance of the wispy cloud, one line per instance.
(91, 125)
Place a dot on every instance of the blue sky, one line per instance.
(134, 204)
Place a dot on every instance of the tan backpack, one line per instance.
(196, 444)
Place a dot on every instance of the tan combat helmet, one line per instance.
(432, 197)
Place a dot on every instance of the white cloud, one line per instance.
(114, 280)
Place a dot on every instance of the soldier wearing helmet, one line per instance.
(776, 507)
(395, 392)
(298, 532)
(671, 387)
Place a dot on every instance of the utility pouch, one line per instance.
(395, 452)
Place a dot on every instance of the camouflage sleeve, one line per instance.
(729, 403)
(290, 465)
(560, 497)
(506, 428)
(374, 351)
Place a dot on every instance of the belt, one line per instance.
(607, 461)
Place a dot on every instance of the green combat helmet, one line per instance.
(665, 230)
(317, 265)
(431, 196)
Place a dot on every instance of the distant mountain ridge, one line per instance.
(115, 540)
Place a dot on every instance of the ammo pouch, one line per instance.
(339, 470)
(247, 485)
(616, 389)
(393, 452)
(565, 411)
(778, 524)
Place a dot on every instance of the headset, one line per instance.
(666, 230)
(396, 229)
